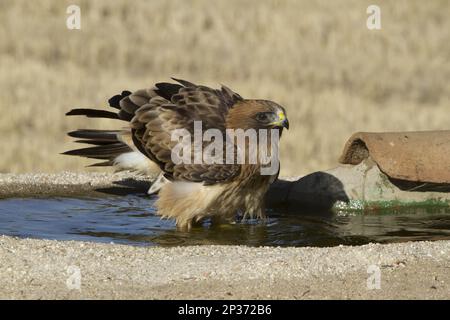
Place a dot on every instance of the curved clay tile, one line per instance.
(422, 156)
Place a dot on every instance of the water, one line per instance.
(132, 220)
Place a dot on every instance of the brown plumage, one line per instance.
(193, 191)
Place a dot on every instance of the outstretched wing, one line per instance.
(177, 106)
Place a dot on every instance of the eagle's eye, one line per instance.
(262, 116)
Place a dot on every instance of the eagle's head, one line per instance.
(257, 114)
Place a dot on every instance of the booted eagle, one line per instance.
(189, 191)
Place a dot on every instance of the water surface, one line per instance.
(131, 220)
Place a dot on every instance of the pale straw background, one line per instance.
(317, 58)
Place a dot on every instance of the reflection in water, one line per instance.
(132, 220)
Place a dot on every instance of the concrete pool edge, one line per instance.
(68, 183)
(45, 269)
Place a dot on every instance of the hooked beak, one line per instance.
(282, 121)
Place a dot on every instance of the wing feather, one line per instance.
(177, 107)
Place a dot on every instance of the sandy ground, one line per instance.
(44, 269)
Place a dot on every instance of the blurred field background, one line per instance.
(317, 58)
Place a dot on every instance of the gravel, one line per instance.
(45, 269)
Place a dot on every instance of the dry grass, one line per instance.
(317, 58)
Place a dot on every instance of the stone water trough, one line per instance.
(376, 171)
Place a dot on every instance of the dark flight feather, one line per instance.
(93, 113)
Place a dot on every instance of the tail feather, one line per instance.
(109, 151)
(111, 146)
(94, 142)
(92, 134)
(108, 163)
(107, 145)
(93, 113)
(114, 147)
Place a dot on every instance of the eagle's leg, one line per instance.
(259, 213)
(254, 206)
